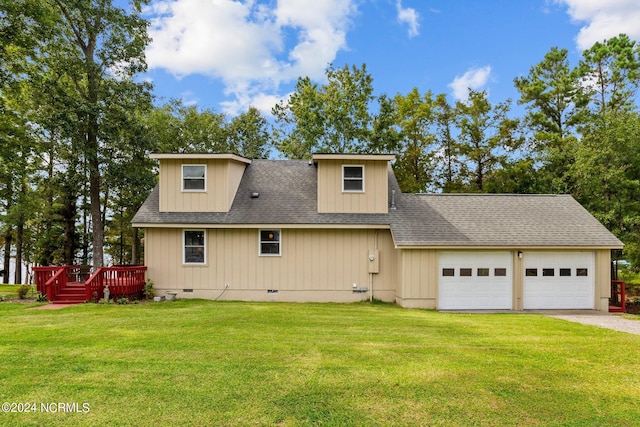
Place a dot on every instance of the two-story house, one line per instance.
(337, 228)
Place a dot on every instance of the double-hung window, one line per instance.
(353, 178)
(194, 177)
(270, 243)
(194, 247)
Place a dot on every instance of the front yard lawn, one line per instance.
(9, 291)
(231, 363)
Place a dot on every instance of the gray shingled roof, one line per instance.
(498, 220)
(288, 196)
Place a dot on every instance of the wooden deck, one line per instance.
(74, 284)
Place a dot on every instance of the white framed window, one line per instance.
(194, 248)
(353, 178)
(270, 243)
(194, 177)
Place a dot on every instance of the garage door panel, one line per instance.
(475, 280)
(564, 280)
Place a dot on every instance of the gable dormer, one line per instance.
(353, 183)
(199, 182)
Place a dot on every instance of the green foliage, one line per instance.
(552, 97)
(148, 289)
(415, 118)
(610, 73)
(69, 75)
(607, 171)
(487, 136)
(519, 177)
(332, 118)
(41, 297)
(23, 290)
(178, 128)
(247, 134)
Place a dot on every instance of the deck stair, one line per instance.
(72, 293)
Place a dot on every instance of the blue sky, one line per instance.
(228, 55)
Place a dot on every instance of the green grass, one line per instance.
(231, 363)
(9, 291)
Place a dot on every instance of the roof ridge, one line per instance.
(490, 194)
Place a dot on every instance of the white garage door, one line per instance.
(475, 280)
(558, 280)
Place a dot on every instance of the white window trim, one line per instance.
(184, 247)
(260, 242)
(363, 175)
(186, 190)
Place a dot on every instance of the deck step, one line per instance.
(73, 293)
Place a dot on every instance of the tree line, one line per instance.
(77, 124)
(579, 135)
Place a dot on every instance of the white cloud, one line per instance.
(410, 17)
(252, 46)
(604, 19)
(474, 78)
(188, 98)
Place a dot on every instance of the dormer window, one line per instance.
(353, 178)
(194, 177)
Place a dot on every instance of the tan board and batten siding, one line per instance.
(223, 177)
(418, 278)
(315, 265)
(374, 198)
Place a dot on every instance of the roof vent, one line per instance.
(255, 195)
(393, 200)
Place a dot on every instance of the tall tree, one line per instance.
(553, 97)
(607, 169)
(16, 170)
(99, 48)
(449, 166)
(610, 73)
(487, 136)
(334, 117)
(179, 128)
(555, 102)
(9, 146)
(248, 135)
(385, 135)
(299, 121)
(415, 118)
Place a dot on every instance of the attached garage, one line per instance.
(558, 280)
(475, 280)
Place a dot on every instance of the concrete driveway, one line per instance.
(602, 320)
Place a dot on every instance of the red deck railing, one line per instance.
(42, 275)
(617, 303)
(50, 281)
(122, 281)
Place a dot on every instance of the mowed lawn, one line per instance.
(197, 363)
